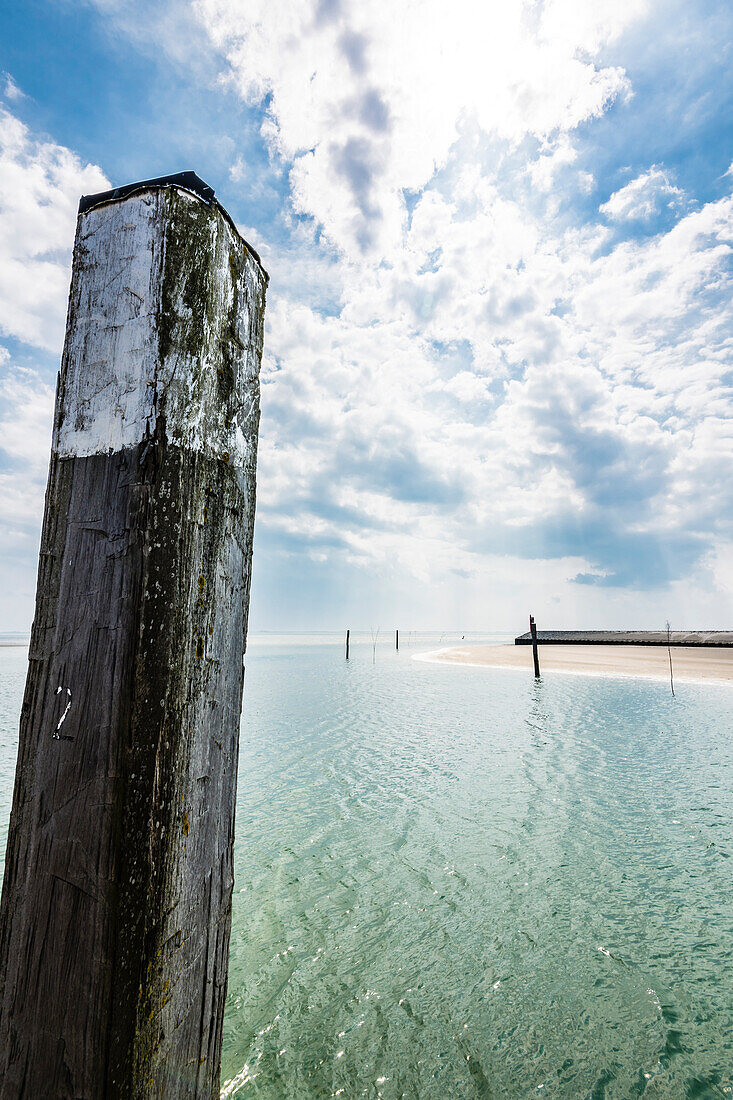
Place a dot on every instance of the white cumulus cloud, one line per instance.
(643, 198)
(40, 186)
(460, 371)
(366, 100)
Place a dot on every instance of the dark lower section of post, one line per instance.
(535, 653)
(117, 861)
(397, 639)
(347, 645)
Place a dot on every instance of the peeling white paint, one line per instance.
(114, 383)
(62, 719)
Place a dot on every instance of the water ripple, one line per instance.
(456, 883)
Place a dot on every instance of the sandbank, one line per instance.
(648, 662)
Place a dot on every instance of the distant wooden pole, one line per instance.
(397, 639)
(116, 902)
(535, 653)
(347, 645)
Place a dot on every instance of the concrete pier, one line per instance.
(629, 637)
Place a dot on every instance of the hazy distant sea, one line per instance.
(456, 882)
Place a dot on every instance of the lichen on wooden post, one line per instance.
(116, 902)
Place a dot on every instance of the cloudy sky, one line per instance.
(497, 374)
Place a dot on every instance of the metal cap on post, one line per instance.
(116, 902)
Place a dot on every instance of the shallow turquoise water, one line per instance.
(457, 882)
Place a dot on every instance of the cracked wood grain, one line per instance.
(116, 902)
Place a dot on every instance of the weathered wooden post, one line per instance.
(397, 639)
(347, 645)
(116, 902)
(535, 653)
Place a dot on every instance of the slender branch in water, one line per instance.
(669, 653)
(375, 637)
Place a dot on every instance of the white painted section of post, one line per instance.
(116, 382)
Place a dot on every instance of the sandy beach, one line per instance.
(649, 662)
